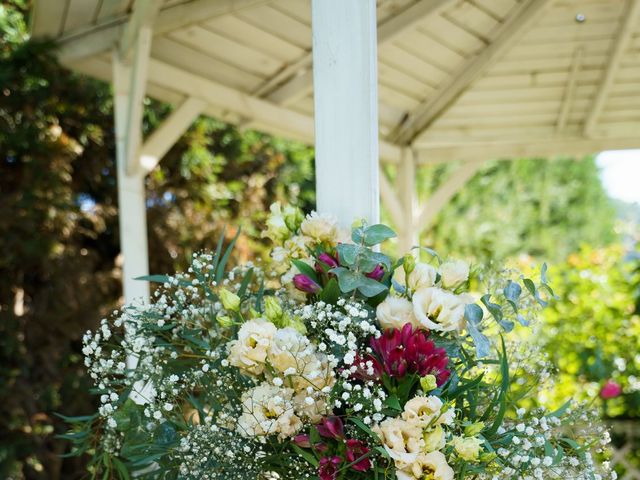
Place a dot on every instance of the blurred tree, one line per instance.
(546, 208)
(59, 233)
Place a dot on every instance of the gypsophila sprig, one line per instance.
(334, 361)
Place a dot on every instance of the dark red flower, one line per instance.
(406, 351)
(329, 466)
(331, 427)
(377, 273)
(355, 450)
(305, 284)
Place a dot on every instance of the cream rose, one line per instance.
(267, 410)
(321, 228)
(249, 351)
(453, 273)
(440, 310)
(402, 440)
(423, 410)
(395, 312)
(431, 465)
(422, 276)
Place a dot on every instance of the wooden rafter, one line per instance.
(502, 39)
(569, 92)
(298, 85)
(630, 16)
(102, 37)
(391, 202)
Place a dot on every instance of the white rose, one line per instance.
(453, 273)
(434, 464)
(249, 351)
(321, 228)
(422, 276)
(440, 310)
(395, 312)
(402, 440)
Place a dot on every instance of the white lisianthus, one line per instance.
(453, 273)
(249, 351)
(311, 410)
(432, 465)
(288, 349)
(268, 410)
(422, 276)
(440, 310)
(423, 410)
(395, 312)
(321, 228)
(434, 439)
(276, 227)
(468, 448)
(402, 440)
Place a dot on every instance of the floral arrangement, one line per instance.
(333, 362)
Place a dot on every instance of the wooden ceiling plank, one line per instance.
(503, 37)
(629, 22)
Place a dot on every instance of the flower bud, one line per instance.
(224, 321)
(293, 218)
(305, 284)
(377, 273)
(272, 309)
(488, 457)
(409, 263)
(428, 383)
(229, 300)
(473, 429)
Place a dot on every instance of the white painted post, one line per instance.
(346, 108)
(132, 210)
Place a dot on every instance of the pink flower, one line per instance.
(406, 351)
(328, 469)
(331, 427)
(302, 440)
(327, 260)
(377, 273)
(610, 389)
(355, 450)
(305, 284)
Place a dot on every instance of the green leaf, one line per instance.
(331, 292)
(393, 403)
(473, 314)
(348, 280)
(362, 426)
(504, 388)
(348, 253)
(496, 312)
(370, 260)
(375, 234)
(306, 269)
(225, 257)
(245, 282)
(304, 454)
(370, 287)
(154, 278)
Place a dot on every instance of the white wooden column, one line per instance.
(132, 209)
(346, 108)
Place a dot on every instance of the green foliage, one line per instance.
(592, 332)
(551, 207)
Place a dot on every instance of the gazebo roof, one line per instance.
(458, 79)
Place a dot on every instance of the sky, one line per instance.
(620, 170)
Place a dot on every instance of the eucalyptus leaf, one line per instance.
(370, 287)
(376, 234)
(482, 343)
(348, 253)
(348, 280)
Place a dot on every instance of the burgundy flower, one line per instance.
(610, 390)
(304, 283)
(328, 469)
(355, 450)
(377, 273)
(331, 427)
(406, 351)
(327, 260)
(302, 440)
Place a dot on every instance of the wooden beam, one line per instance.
(104, 36)
(391, 202)
(140, 24)
(503, 38)
(628, 25)
(299, 85)
(346, 109)
(406, 188)
(521, 148)
(445, 192)
(567, 98)
(167, 134)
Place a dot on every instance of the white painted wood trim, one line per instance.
(167, 134)
(406, 188)
(391, 202)
(440, 100)
(629, 24)
(445, 193)
(346, 109)
(132, 210)
(569, 93)
(143, 17)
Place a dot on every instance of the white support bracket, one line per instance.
(167, 134)
(445, 192)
